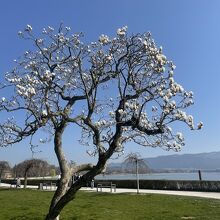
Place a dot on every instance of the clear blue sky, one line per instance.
(188, 30)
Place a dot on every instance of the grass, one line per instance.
(19, 204)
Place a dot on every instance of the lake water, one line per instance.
(165, 176)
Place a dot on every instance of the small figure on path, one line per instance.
(18, 183)
(92, 184)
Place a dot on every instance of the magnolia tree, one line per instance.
(116, 90)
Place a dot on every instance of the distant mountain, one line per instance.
(202, 161)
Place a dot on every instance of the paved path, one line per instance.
(211, 195)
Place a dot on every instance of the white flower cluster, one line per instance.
(44, 112)
(40, 41)
(25, 91)
(14, 79)
(161, 59)
(176, 146)
(101, 123)
(68, 28)
(170, 106)
(109, 57)
(181, 115)
(28, 28)
(51, 29)
(176, 88)
(133, 105)
(26, 86)
(30, 65)
(3, 99)
(180, 136)
(144, 121)
(121, 32)
(104, 39)
(20, 34)
(62, 39)
(122, 112)
(48, 75)
(190, 121)
(200, 125)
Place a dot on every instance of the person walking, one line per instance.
(18, 183)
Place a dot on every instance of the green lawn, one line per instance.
(33, 205)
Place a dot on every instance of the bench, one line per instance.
(47, 186)
(106, 185)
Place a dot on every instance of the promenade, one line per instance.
(210, 195)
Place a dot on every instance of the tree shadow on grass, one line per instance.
(25, 217)
(6, 189)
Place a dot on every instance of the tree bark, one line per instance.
(70, 194)
(65, 174)
(61, 201)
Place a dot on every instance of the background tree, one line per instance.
(52, 172)
(129, 164)
(32, 168)
(115, 90)
(4, 167)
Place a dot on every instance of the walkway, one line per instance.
(211, 195)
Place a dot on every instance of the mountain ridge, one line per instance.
(199, 161)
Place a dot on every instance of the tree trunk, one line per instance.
(62, 196)
(65, 175)
(25, 180)
(69, 195)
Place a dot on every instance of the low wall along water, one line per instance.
(183, 185)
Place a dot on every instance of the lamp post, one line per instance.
(137, 176)
(134, 158)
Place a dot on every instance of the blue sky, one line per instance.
(188, 30)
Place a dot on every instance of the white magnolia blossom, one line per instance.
(180, 136)
(41, 140)
(20, 33)
(122, 31)
(122, 112)
(109, 57)
(3, 99)
(200, 125)
(51, 29)
(48, 75)
(44, 112)
(29, 28)
(104, 39)
(161, 59)
(40, 41)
